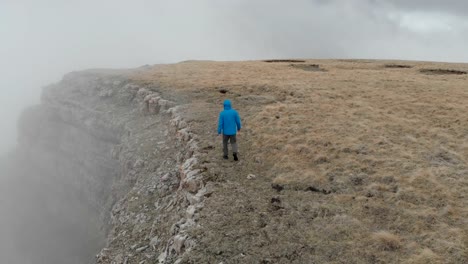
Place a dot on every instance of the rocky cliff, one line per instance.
(123, 154)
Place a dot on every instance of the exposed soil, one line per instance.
(398, 66)
(297, 61)
(442, 72)
(308, 67)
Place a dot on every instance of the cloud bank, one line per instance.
(42, 40)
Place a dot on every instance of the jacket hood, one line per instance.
(227, 105)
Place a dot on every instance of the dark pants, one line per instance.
(233, 140)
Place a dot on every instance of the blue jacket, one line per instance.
(229, 121)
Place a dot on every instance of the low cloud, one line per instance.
(42, 40)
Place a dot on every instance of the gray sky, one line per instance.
(42, 40)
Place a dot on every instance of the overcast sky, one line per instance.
(42, 40)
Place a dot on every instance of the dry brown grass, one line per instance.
(387, 241)
(389, 146)
(425, 256)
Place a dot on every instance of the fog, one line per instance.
(42, 40)
(43, 221)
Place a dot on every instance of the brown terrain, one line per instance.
(354, 161)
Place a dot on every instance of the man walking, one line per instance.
(229, 124)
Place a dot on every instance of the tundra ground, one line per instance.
(355, 161)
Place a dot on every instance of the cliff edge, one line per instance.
(341, 161)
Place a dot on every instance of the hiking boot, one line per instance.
(225, 157)
(235, 157)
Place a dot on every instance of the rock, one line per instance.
(193, 199)
(142, 93)
(207, 190)
(188, 164)
(103, 255)
(187, 224)
(251, 176)
(192, 174)
(153, 106)
(164, 104)
(162, 258)
(139, 163)
(154, 241)
(184, 135)
(105, 93)
(178, 245)
(119, 258)
(192, 185)
(190, 212)
(141, 249)
(166, 177)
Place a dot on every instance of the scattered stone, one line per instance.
(251, 176)
(179, 242)
(184, 135)
(193, 199)
(119, 258)
(141, 249)
(103, 255)
(277, 187)
(190, 211)
(154, 242)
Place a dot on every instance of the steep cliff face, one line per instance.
(95, 150)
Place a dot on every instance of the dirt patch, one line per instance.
(356, 61)
(398, 66)
(223, 91)
(314, 189)
(295, 61)
(308, 67)
(442, 72)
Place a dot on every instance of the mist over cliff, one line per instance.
(93, 141)
(54, 186)
(43, 221)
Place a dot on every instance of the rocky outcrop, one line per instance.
(127, 154)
